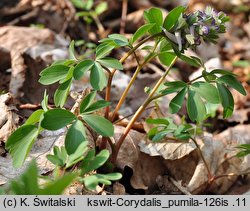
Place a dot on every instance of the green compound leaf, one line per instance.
(72, 50)
(101, 7)
(34, 117)
(55, 119)
(81, 68)
(62, 93)
(45, 100)
(227, 100)
(91, 162)
(98, 78)
(141, 32)
(166, 57)
(245, 150)
(207, 91)
(20, 142)
(192, 60)
(57, 186)
(173, 86)
(103, 50)
(27, 183)
(172, 17)
(96, 106)
(195, 107)
(53, 74)
(75, 136)
(87, 101)
(101, 125)
(110, 62)
(154, 16)
(161, 135)
(83, 4)
(176, 103)
(163, 121)
(119, 39)
(92, 181)
(59, 157)
(221, 72)
(232, 82)
(78, 155)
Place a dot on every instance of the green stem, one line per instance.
(140, 110)
(124, 94)
(131, 82)
(122, 60)
(138, 45)
(98, 24)
(190, 82)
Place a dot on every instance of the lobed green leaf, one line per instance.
(141, 32)
(72, 50)
(98, 78)
(75, 136)
(172, 17)
(87, 101)
(154, 16)
(34, 117)
(232, 82)
(96, 106)
(101, 125)
(110, 62)
(195, 107)
(20, 142)
(62, 93)
(166, 57)
(101, 7)
(103, 50)
(78, 155)
(173, 86)
(55, 119)
(53, 74)
(119, 39)
(207, 91)
(227, 100)
(94, 162)
(81, 68)
(176, 103)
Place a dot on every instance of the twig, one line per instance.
(210, 176)
(124, 16)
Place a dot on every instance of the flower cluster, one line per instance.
(193, 28)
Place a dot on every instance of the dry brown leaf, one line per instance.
(8, 119)
(17, 45)
(118, 189)
(168, 150)
(219, 152)
(30, 52)
(146, 171)
(145, 168)
(129, 152)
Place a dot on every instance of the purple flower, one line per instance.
(205, 30)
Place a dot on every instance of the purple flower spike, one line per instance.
(196, 27)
